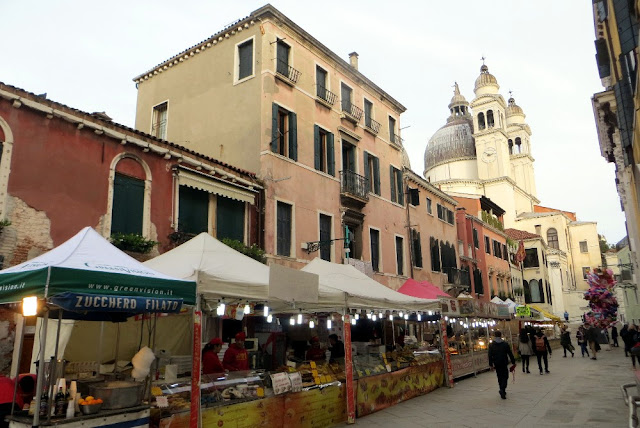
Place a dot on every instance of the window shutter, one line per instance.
(293, 136)
(229, 219)
(331, 161)
(392, 175)
(317, 149)
(400, 187)
(274, 128)
(128, 205)
(367, 174)
(376, 176)
(193, 216)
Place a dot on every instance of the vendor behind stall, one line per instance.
(26, 389)
(236, 357)
(316, 353)
(336, 348)
(210, 361)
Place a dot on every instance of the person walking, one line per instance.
(592, 338)
(499, 356)
(614, 336)
(624, 335)
(542, 350)
(633, 336)
(565, 341)
(582, 341)
(525, 349)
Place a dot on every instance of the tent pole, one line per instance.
(194, 420)
(99, 359)
(348, 367)
(40, 377)
(115, 366)
(15, 381)
(54, 365)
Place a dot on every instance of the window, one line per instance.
(510, 147)
(284, 133)
(450, 218)
(397, 192)
(193, 215)
(435, 254)
(324, 153)
(481, 124)
(346, 94)
(321, 82)
(375, 249)
(229, 219)
(497, 249)
(355, 240)
(284, 226)
(372, 173)
(585, 272)
(505, 254)
(399, 255)
(429, 207)
(417, 248)
(392, 129)
(490, 121)
(128, 204)
(476, 242)
(445, 214)
(536, 290)
(368, 111)
(548, 288)
(531, 258)
(487, 245)
(448, 256)
(477, 281)
(552, 238)
(159, 125)
(325, 237)
(245, 59)
(282, 65)
(584, 248)
(518, 145)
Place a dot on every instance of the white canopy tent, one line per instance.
(353, 289)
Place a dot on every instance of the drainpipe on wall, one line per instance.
(406, 198)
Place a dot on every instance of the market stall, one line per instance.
(87, 278)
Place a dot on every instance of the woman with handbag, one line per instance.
(582, 341)
(525, 349)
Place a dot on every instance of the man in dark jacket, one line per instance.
(499, 356)
(541, 346)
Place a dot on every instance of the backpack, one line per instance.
(540, 347)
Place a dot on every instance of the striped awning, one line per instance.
(202, 182)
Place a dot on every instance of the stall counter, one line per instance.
(134, 417)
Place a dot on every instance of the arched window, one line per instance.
(490, 121)
(536, 292)
(481, 124)
(130, 182)
(510, 147)
(527, 291)
(552, 238)
(519, 144)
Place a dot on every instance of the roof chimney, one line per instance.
(538, 229)
(353, 59)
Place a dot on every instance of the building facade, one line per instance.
(265, 95)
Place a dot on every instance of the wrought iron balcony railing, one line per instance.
(371, 125)
(457, 277)
(287, 72)
(325, 95)
(351, 112)
(354, 184)
(395, 139)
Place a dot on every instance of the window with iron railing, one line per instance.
(354, 184)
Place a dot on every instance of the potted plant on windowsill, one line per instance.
(134, 244)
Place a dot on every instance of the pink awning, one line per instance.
(422, 289)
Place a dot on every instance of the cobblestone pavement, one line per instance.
(577, 392)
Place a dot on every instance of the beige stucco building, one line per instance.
(266, 96)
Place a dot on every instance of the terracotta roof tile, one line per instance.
(517, 234)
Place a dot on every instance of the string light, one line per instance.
(357, 316)
(353, 321)
(400, 314)
(247, 309)
(369, 315)
(406, 316)
(374, 317)
(419, 317)
(269, 318)
(220, 309)
(292, 321)
(390, 317)
(300, 318)
(266, 310)
(328, 322)
(312, 324)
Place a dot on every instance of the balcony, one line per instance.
(351, 112)
(457, 277)
(286, 73)
(354, 189)
(395, 140)
(371, 125)
(325, 97)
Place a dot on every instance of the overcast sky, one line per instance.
(85, 53)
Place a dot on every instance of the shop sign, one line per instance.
(80, 302)
(503, 311)
(466, 306)
(449, 306)
(296, 381)
(280, 383)
(523, 311)
(462, 365)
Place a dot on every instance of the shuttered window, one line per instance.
(627, 25)
(321, 82)
(128, 205)
(476, 242)
(284, 132)
(230, 219)
(193, 215)
(435, 254)
(372, 172)
(417, 248)
(400, 255)
(429, 206)
(345, 96)
(397, 192)
(487, 245)
(324, 154)
(368, 111)
(392, 129)
(375, 249)
(245, 59)
(584, 248)
(283, 58)
(325, 236)
(284, 225)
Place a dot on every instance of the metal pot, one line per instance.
(118, 394)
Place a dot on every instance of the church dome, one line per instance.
(405, 159)
(453, 141)
(513, 108)
(486, 79)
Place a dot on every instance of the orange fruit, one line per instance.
(89, 398)
(99, 401)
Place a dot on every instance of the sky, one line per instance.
(85, 54)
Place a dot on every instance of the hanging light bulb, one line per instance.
(381, 315)
(431, 313)
(369, 315)
(400, 314)
(292, 321)
(266, 310)
(446, 318)
(328, 322)
(247, 309)
(419, 317)
(312, 324)
(356, 316)
(353, 321)
(374, 317)
(220, 309)
(269, 318)
(300, 318)
(406, 316)
(390, 317)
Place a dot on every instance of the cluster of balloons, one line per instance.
(601, 297)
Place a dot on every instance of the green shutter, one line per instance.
(274, 128)
(376, 176)
(229, 219)
(400, 187)
(128, 204)
(293, 136)
(193, 215)
(367, 176)
(317, 148)
(392, 175)
(331, 158)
